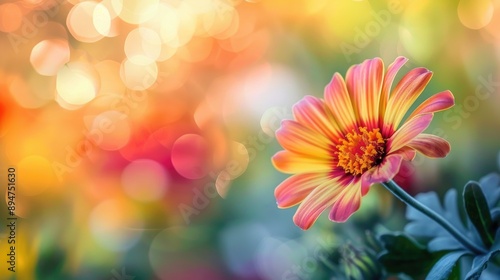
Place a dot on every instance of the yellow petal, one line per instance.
(391, 73)
(316, 202)
(364, 83)
(438, 102)
(408, 132)
(406, 92)
(301, 140)
(295, 188)
(338, 100)
(291, 163)
(312, 112)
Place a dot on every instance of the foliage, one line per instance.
(439, 254)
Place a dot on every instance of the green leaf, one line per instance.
(479, 264)
(478, 212)
(421, 226)
(443, 269)
(403, 254)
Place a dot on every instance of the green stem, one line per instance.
(408, 199)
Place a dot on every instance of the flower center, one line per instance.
(360, 150)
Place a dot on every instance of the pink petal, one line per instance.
(346, 204)
(408, 131)
(338, 101)
(315, 203)
(291, 163)
(407, 153)
(430, 145)
(340, 175)
(296, 188)
(437, 102)
(391, 73)
(406, 92)
(302, 140)
(364, 83)
(381, 173)
(312, 112)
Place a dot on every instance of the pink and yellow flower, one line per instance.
(337, 147)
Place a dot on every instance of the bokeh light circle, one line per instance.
(169, 23)
(189, 154)
(135, 11)
(239, 160)
(115, 224)
(218, 17)
(11, 17)
(475, 14)
(165, 21)
(145, 180)
(48, 56)
(222, 183)
(186, 21)
(271, 119)
(143, 46)
(77, 83)
(102, 19)
(138, 77)
(234, 167)
(80, 22)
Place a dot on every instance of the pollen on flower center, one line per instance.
(360, 150)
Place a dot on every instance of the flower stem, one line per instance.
(408, 199)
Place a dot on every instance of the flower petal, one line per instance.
(408, 131)
(295, 189)
(364, 83)
(381, 173)
(291, 163)
(437, 102)
(301, 140)
(430, 145)
(406, 92)
(407, 153)
(391, 73)
(316, 202)
(346, 204)
(340, 175)
(312, 112)
(338, 101)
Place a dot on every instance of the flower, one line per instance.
(337, 147)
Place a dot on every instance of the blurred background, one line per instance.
(141, 131)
